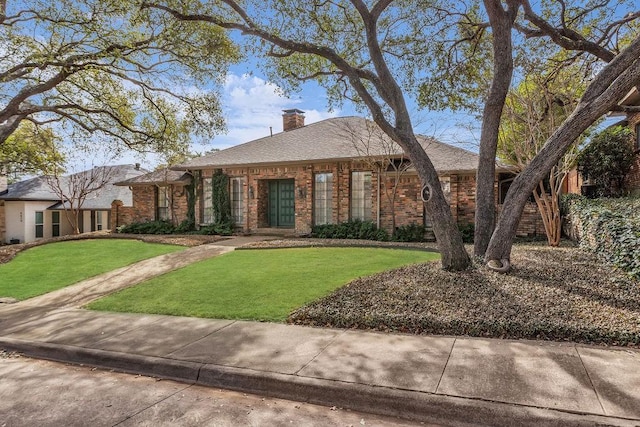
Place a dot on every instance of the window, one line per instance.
(237, 207)
(323, 195)
(207, 201)
(163, 204)
(55, 224)
(638, 136)
(39, 224)
(98, 220)
(361, 196)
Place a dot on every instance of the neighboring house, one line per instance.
(317, 174)
(31, 210)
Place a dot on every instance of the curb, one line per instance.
(406, 404)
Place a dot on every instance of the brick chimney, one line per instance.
(292, 119)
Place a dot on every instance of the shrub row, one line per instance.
(608, 227)
(166, 227)
(356, 229)
(367, 230)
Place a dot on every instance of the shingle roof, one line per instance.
(30, 189)
(331, 139)
(162, 176)
(38, 189)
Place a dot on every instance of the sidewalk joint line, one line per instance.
(128, 417)
(320, 352)
(590, 380)
(203, 337)
(445, 365)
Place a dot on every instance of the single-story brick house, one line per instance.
(31, 210)
(331, 171)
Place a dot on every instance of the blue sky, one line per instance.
(252, 104)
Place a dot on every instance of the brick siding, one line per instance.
(144, 206)
(459, 190)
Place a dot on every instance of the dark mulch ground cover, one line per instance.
(551, 294)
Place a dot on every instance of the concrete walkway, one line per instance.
(443, 380)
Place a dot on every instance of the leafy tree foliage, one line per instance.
(607, 160)
(105, 72)
(30, 150)
(377, 52)
(533, 111)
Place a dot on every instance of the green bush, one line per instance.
(185, 227)
(151, 227)
(222, 229)
(607, 159)
(355, 229)
(467, 231)
(409, 233)
(608, 227)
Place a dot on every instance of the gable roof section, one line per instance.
(37, 189)
(343, 138)
(34, 189)
(158, 177)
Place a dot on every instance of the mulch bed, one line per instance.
(551, 294)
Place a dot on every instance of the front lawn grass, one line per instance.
(256, 284)
(46, 268)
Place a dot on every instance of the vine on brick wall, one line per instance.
(191, 200)
(608, 227)
(221, 199)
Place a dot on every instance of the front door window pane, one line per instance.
(323, 196)
(207, 201)
(163, 204)
(237, 205)
(361, 196)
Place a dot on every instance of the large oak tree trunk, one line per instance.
(501, 24)
(454, 255)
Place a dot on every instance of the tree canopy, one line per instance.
(376, 53)
(607, 159)
(30, 150)
(105, 72)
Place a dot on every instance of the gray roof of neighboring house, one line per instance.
(343, 138)
(159, 177)
(37, 189)
(30, 189)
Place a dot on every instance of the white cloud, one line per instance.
(252, 106)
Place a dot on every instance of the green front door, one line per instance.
(281, 203)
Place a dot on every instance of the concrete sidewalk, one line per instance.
(444, 380)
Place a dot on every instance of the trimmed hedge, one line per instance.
(166, 227)
(356, 229)
(607, 227)
(409, 233)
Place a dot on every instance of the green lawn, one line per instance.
(53, 266)
(256, 284)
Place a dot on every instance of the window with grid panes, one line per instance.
(322, 198)
(361, 196)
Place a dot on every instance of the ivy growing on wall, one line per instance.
(191, 199)
(221, 199)
(608, 227)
